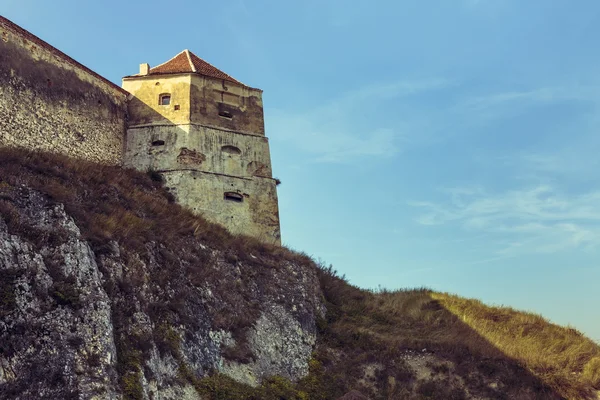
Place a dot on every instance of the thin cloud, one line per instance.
(480, 110)
(330, 132)
(537, 219)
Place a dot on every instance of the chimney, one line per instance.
(144, 69)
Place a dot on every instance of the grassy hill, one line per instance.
(408, 344)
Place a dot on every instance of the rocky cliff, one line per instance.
(109, 290)
(129, 299)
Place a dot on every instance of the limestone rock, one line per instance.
(79, 324)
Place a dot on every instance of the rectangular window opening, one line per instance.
(164, 99)
(158, 143)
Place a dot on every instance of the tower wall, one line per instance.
(216, 165)
(174, 147)
(144, 107)
(50, 102)
(204, 193)
(211, 99)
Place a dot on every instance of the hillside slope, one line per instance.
(109, 290)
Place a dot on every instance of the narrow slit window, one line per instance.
(158, 143)
(164, 99)
(232, 196)
(225, 114)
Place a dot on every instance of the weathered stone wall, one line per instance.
(226, 105)
(211, 149)
(195, 98)
(50, 102)
(202, 164)
(144, 107)
(257, 213)
(197, 147)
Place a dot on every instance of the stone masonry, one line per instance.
(200, 128)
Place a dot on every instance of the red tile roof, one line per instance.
(188, 62)
(34, 39)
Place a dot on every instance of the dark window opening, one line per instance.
(232, 196)
(176, 107)
(158, 143)
(164, 99)
(225, 114)
(231, 150)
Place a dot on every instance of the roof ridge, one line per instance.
(218, 69)
(187, 53)
(169, 60)
(186, 62)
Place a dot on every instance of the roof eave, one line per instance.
(159, 74)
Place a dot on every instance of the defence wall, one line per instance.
(173, 147)
(144, 107)
(209, 145)
(243, 205)
(50, 102)
(223, 175)
(219, 103)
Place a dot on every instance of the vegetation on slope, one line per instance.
(497, 352)
(170, 257)
(561, 357)
(414, 344)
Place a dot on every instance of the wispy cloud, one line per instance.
(577, 162)
(348, 126)
(339, 131)
(483, 109)
(537, 219)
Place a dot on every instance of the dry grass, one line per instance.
(531, 357)
(167, 251)
(561, 357)
(110, 203)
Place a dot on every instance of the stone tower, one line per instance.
(204, 132)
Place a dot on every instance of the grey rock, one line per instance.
(64, 310)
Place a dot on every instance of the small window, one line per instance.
(232, 196)
(177, 107)
(231, 150)
(158, 143)
(225, 114)
(164, 99)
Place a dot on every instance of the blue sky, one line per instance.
(447, 144)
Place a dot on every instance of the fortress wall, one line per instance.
(200, 165)
(144, 108)
(172, 147)
(257, 214)
(50, 102)
(212, 99)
